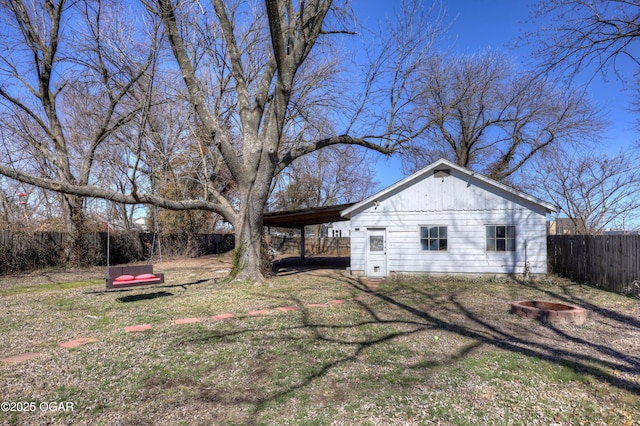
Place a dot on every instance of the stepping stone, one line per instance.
(222, 317)
(316, 305)
(336, 302)
(360, 298)
(373, 285)
(19, 358)
(186, 321)
(260, 312)
(78, 342)
(141, 327)
(287, 308)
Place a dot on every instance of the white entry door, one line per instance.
(376, 252)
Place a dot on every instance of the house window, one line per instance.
(501, 238)
(433, 238)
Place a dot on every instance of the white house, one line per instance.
(446, 219)
(337, 229)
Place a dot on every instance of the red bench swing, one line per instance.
(132, 276)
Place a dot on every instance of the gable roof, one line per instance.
(442, 163)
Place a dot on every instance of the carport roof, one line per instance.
(304, 217)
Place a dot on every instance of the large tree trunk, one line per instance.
(75, 249)
(242, 100)
(248, 261)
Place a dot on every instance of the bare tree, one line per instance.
(251, 72)
(335, 175)
(65, 90)
(594, 35)
(595, 192)
(482, 113)
(589, 37)
(10, 213)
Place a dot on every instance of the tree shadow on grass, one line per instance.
(142, 288)
(295, 265)
(582, 362)
(145, 296)
(387, 316)
(570, 296)
(594, 358)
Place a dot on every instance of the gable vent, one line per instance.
(441, 173)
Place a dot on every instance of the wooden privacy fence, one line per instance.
(611, 262)
(335, 246)
(20, 251)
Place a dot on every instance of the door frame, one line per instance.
(369, 266)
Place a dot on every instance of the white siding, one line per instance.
(341, 228)
(465, 205)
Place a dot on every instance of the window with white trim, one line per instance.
(501, 238)
(433, 238)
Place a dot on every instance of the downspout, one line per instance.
(527, 268)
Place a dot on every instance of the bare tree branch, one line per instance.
(587, 34)
(595, 192)
(481, 114)
(112, 195)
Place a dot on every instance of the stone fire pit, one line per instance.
(549, 311)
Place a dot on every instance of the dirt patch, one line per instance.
(204, 267)
(177, 269)
(51, 276)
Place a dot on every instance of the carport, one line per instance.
(298, 219)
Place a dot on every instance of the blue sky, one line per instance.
(496, 24)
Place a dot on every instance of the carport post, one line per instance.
(302, 243)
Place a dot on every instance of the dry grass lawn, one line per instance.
(417, 351)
